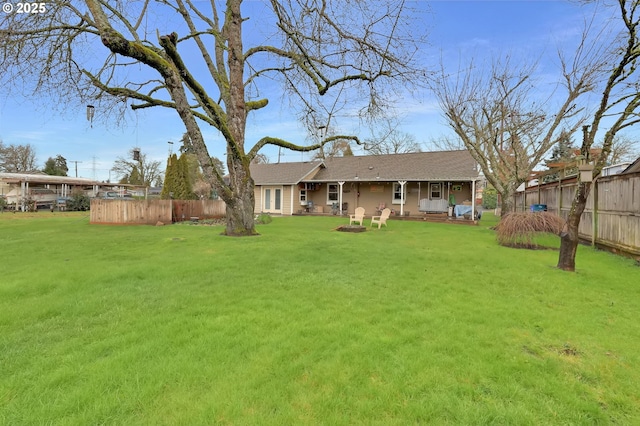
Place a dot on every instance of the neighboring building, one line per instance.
(411, 183)
(614, 169)
(633, 167)
(20, 187)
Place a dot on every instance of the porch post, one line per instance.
(340, 197)
(473, 200)
(402, 184)
(24, 188)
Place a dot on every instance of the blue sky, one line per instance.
(458, 29)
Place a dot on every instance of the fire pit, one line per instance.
(351, 228)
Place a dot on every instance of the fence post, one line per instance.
(594, 214)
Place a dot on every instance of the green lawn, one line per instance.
(415, 323)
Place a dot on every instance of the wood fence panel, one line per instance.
(129, 212)
(150, 212)
(202, 209)
(617, 215)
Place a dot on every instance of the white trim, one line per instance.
(338, 192)
(403, 198)
(473, 199)
(341, 183)
(431, 185)
(272, 200)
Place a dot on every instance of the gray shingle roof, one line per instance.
(417, 166)
(283, 173)
(633, 167)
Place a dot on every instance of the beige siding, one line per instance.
(257, 192)
(286, 200)
(371, 195)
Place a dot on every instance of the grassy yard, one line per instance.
(414, 323)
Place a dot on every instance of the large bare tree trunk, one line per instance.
(506, 204)
(569, 237)
(240, 206)
(506, 201)
(240, 220)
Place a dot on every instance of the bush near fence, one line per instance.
(150, 212)
(614, 223)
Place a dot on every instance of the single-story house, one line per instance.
(408, 184)
(17, 187)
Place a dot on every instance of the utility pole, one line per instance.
(76, 163)
(93, 166)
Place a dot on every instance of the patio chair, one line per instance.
(357, 217)
(382, 219)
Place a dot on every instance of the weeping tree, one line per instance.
(506, 121)
(617, 109)
(191, 57)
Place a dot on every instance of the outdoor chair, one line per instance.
(357, 217)
(382, 219)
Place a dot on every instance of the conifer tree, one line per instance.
(170, 178)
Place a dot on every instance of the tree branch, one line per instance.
(268, 140)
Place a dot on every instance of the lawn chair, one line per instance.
(357, 217)
(382, 219)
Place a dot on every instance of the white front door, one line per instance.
(272, 200)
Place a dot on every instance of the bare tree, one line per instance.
(17, 158)
(260, 158)
(329, 53)
(336, 148)
(505, 122)
(202, 189)
(389, 139)
(623, 149)
(137, 169)
(617, 110)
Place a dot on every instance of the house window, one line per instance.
(303, 197)
(278, 199)
(435, 191)
(267, 200)
(397, 193)
(332, 193)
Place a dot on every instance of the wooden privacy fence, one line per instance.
(612, 214)
(150, 212)
(203, 209)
